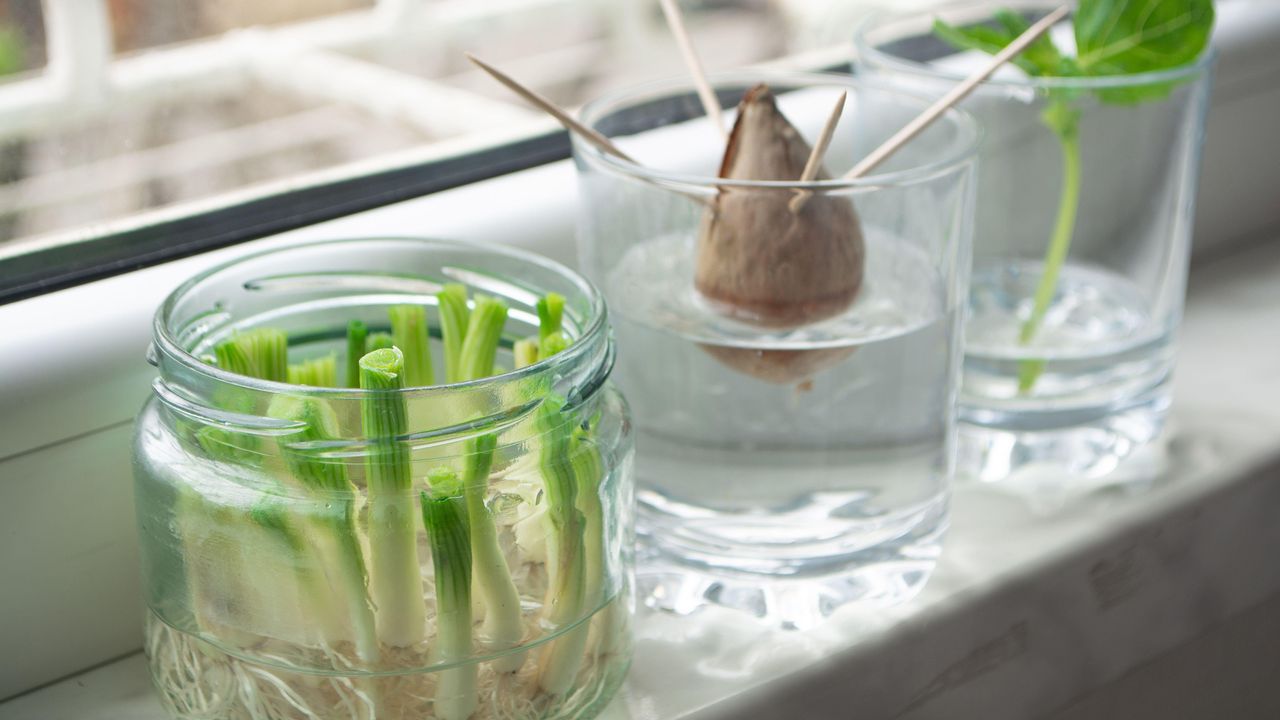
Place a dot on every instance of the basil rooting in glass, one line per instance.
(1113, 38)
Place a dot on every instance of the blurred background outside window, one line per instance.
(126, 111)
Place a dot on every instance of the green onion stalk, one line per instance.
(261, 354)
(357, 335)
(484, 329)
(445, 516)
(572, 472)
(525, 352)
(589, 471)
(566, 598)
(317, 372)
(395, 579)
(454, 317)
(550, 338)
(503, 622)
(377, 341)
(334, 518)
(470, 357)
(409, 333)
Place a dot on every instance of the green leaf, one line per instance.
(1042, 53)
(1125, 38)
(983, 38)
(1113, 37)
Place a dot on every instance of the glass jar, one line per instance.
(1082, 237)
(275, 582)
(791, 349)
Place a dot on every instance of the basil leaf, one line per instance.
(1041, 53)
(983, 38)
(1124, 38)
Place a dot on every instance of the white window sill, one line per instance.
(1107, 604)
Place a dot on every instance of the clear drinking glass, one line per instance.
(1057, 391)
(275, 584)
(796, 439)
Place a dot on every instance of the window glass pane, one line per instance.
(142, 24)
(118, 114)
(21, 38)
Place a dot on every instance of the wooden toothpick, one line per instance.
(600, 141)
(819, 150)
(550, 108)
(958, 93)
(708, 96)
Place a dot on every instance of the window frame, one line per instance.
(67, 265)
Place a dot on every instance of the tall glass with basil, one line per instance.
(1086, 195)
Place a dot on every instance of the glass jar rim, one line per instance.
(970, 134)
(872, 56)
(593, 331)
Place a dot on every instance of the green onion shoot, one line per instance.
(566, 588)
(357, 335)
(454, 317)
(337, 549)
(445, 518)
(396, 583)
(377, 341)
(334, 519)
(503, 624)
(317, 372)
(484, 330)
(409, 332)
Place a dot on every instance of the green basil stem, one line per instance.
(409, 331)
(1064, 121)
(454, 316)
(566, 587)
(393, 544)
(484, 330)
(356, 336)
(503, 624)
(334, 516)
(445, 518)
